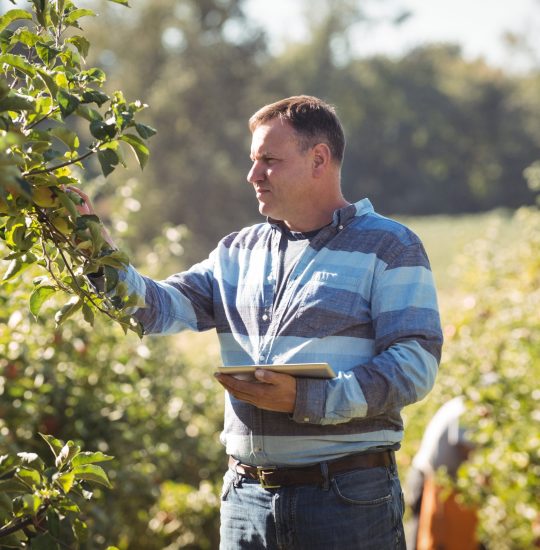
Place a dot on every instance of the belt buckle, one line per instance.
(261, 473)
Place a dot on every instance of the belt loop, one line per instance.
(326, 478)
(237, 476)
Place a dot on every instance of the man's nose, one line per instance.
(256, 174)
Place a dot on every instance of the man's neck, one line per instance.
(316, 218)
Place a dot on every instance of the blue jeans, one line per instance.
(358, 510)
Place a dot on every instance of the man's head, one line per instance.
(296, 152)
(313, 121)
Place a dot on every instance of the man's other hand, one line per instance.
(272, 391)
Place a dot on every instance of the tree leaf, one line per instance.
(38, 297)
(55, 444)
(67, 102)
(76, 14)
(13, 15)
(144, 130)
(90, 472)
(18, 62)
(81, 43)
(66, 481)
(68, 309)
(95, 96)
(70, 138)
(46, 52)
(17, 102)
(139, 148)
(123, 2)
(31, 477)
(88, 314)
(101, 130)
(91, 458)
(12, 486)
(108, 160)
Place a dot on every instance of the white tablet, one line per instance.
(308, 370)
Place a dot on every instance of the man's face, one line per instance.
(281, 173)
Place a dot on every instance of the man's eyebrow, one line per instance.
(262, 156)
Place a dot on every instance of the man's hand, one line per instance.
(273, 391)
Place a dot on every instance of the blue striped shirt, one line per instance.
(361, 298)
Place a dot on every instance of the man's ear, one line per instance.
(322, 158)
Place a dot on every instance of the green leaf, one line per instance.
(45, 541)
(144, 130)
(31, 477)
(90, 472)
(8, 463)
(108, 160)
(5, 503)
(26, 37)
(32, 460)
(88, 314)
(95, 96)
(123, 2)
(49, 81)
(18, 62)
(12, 486)
(76, 14)
(68, 309)
(15, 267)
(81, 43)
(46, 52)
(68, 451)
(111, 277)
(66, 481)
(38, 297)
(13, 15)
(26, 504)
(102, 131)
(139, 148)
(54, 444)
(67, 102)
(91, 458)
(70, 138)
(17, 102)
(88, 113)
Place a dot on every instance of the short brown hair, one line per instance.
(314, 121)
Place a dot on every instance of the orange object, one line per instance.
(445, 524)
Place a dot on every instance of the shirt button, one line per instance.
(340, 227)
(265, 317)
(262, 357)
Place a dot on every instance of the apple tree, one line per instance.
(54, 118)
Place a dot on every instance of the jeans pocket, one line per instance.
(228, 480)
(363, 487)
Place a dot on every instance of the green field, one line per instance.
(446, 237)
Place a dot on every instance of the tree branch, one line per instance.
(67, 163)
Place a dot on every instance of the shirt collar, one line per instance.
(342, 216)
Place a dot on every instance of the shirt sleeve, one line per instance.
(408, 341)
(182, 301)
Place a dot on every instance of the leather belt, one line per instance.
(271, 478)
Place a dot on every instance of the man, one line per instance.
(438, 522)
(311, 461)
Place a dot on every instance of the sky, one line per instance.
(477, 25)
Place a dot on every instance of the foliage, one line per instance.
(154, 405)
(43, 511)
(492, 357)
(495, 346)
(46, 93)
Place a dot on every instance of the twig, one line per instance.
(67, 163)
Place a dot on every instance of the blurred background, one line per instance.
(441, 106)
